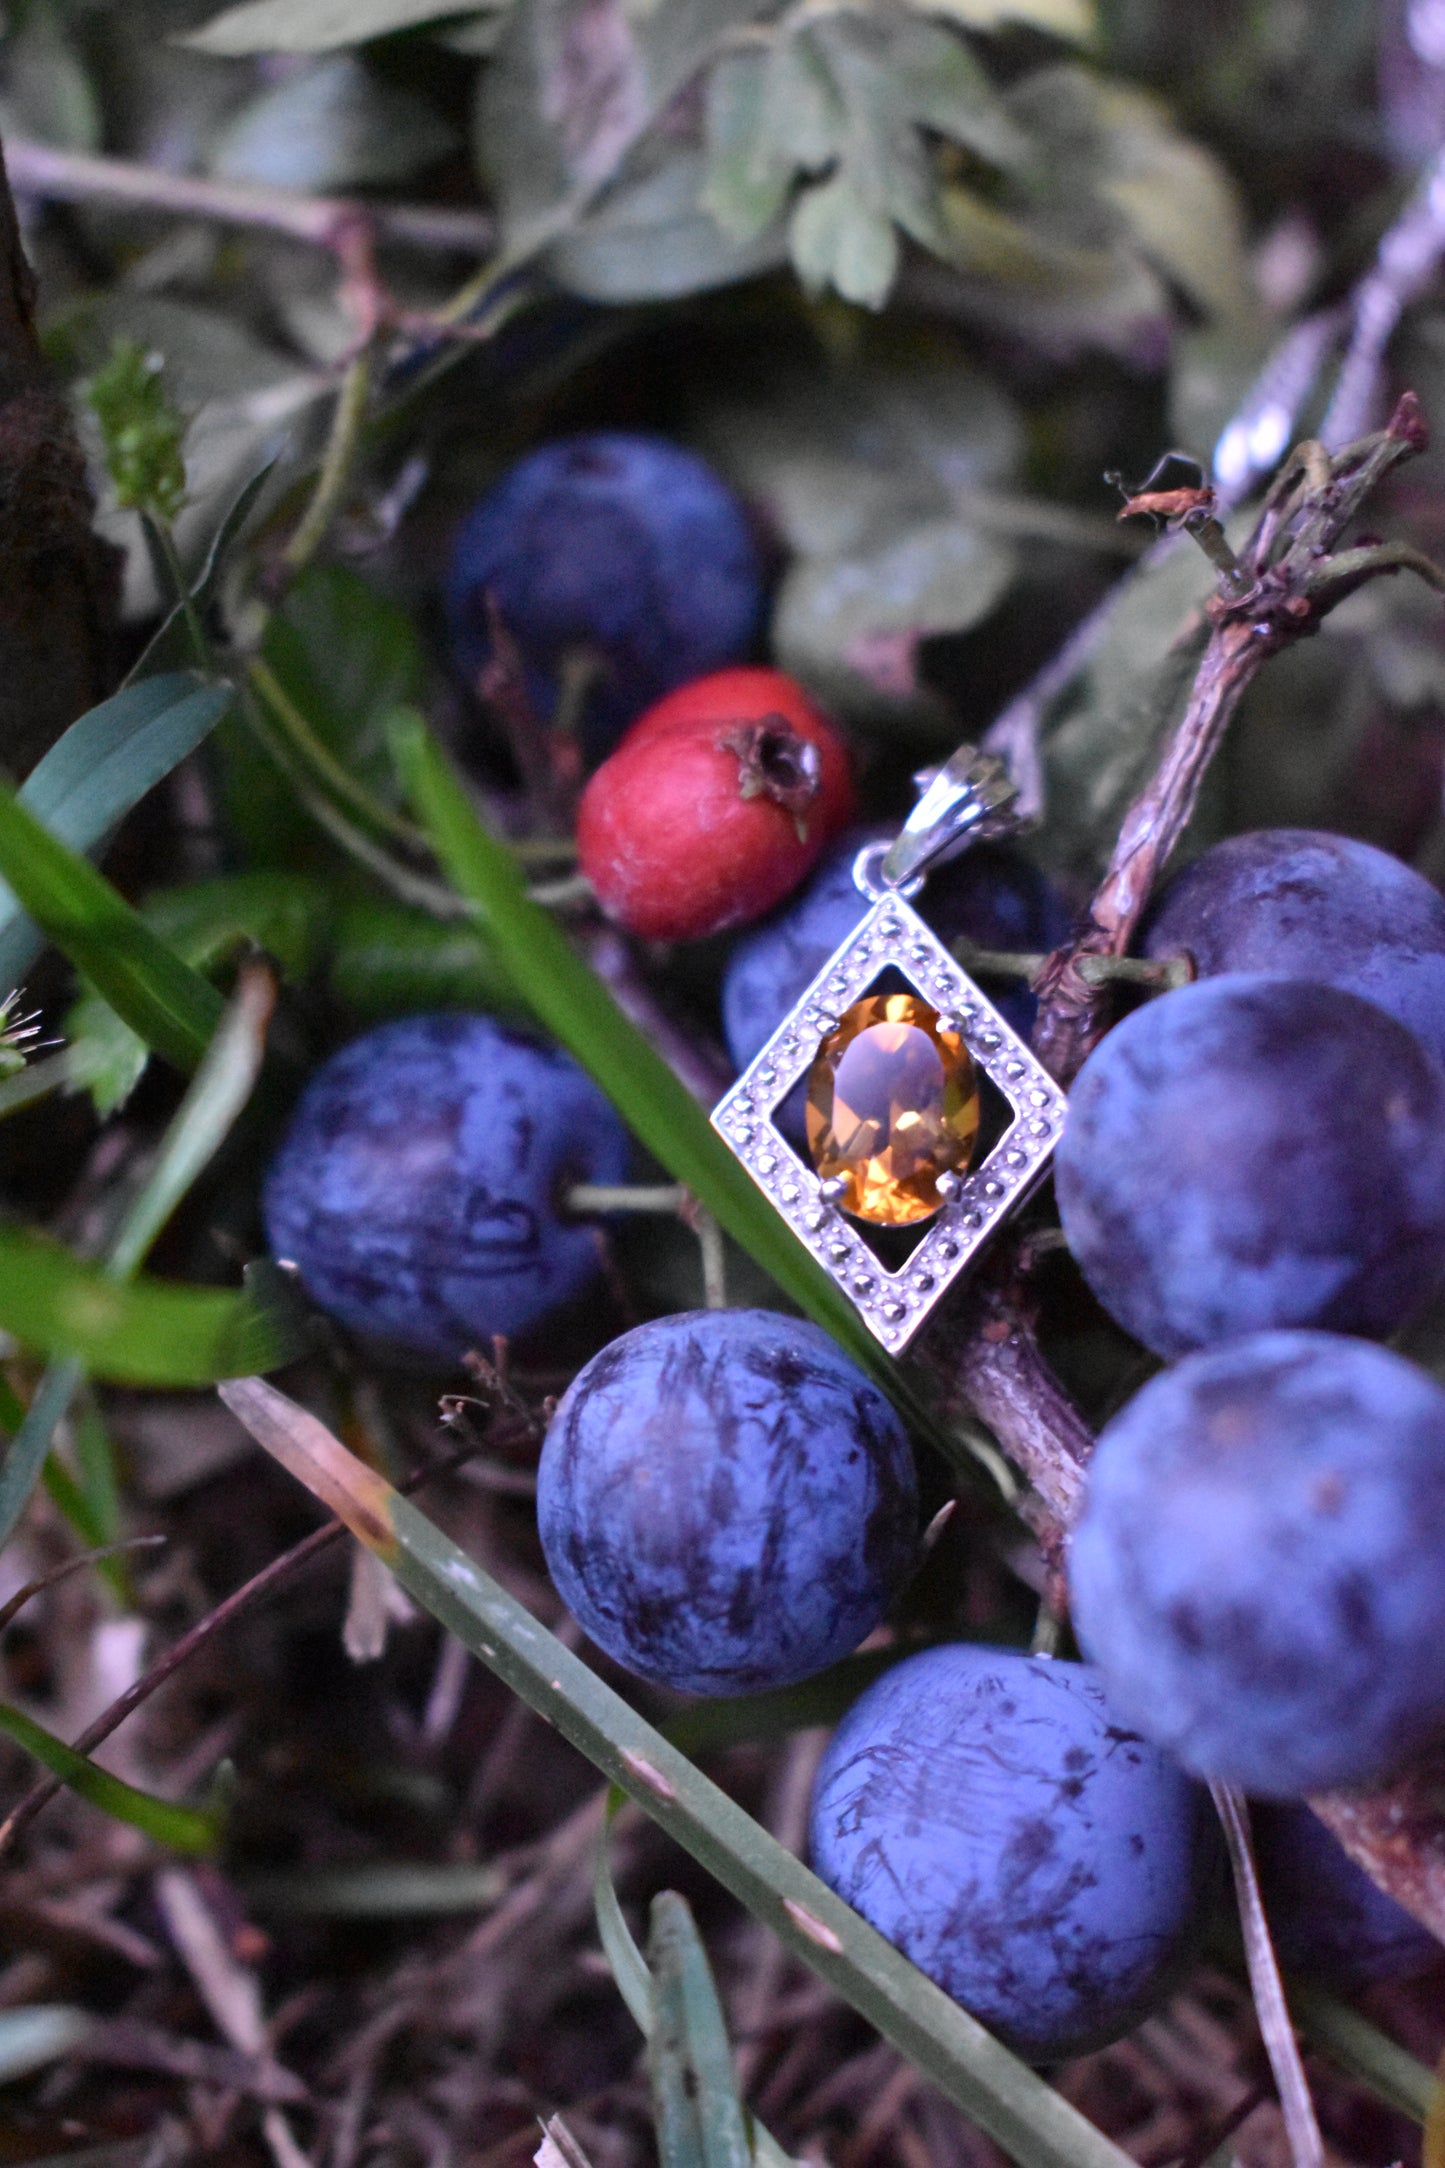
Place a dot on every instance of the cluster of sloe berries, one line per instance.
(1254, 1167)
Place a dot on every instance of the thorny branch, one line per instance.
(1288, 577)
(1292, 576)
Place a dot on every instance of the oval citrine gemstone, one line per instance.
(893, 1103)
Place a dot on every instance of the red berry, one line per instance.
(717, 802)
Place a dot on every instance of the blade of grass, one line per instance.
(102, 767)
(172, 1007)
(1002, 2095)
(699, 2117)
(179, 1829)
(578, 1009)
(1361, 2050)
(216, 1095)
(151, 1332)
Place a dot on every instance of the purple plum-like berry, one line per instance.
(991, 1815)
(725, 1502)
(625, 549)
(1313, 906)
(1257, 1567)
(1252, 1152)
(1328, 1920)
(990, 894)
(420, 1189)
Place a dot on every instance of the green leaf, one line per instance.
(314, 26)
(574, 1004)
(160, 997)
(850, 625)
(1017, 2108)
(574, 86)
(102, 767)
(179, 1829)
(695, 2101)
(837, 238)
(333, 124)
(391, 961)
(152, 1332)
(171, 643)
(748, 173)
(287, 914)
(650, 239)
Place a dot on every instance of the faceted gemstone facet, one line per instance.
(893, 1103)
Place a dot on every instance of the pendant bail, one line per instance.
(969, 799)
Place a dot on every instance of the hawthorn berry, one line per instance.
(622, 549)
(725, 1502)
(420, 1187)
(715, 805)
(992, 1816)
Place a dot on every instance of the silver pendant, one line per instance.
(969, 798)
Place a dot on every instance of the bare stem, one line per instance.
(336, 464)
(1301, 2126)
(39, 169)
(1293, 579)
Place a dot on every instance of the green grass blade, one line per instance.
(102, 767)
(1004, 2097)
(1361, 2050)
(578, 1009)
(180, 1829)
(151, 1332)
(217, 1093)
(172, 1007)
(25, 1455)
(630, 1973)
(693, 2080)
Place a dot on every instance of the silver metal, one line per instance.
(969, 798)
(834, 1190)
(894, 1304)
(948, 1185)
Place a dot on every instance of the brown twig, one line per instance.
(328, 222)
(1287, 579)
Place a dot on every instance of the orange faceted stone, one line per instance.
(893, 1103)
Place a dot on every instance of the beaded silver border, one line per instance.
(894, 1304)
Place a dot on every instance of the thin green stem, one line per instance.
(336, 463)
(165, 537)
(321, 763)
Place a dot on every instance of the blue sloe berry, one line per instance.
(725, 1502)
(1313, 906)
(1254, 1151)
(628, 547)
(991, 1816)
(420, 1186)
(991, 895)
(1257, 1567)
(1328, 1919)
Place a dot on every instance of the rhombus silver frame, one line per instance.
(894, 1304)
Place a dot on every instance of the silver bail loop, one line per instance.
(969, 799)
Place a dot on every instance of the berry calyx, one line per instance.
(716, 804)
